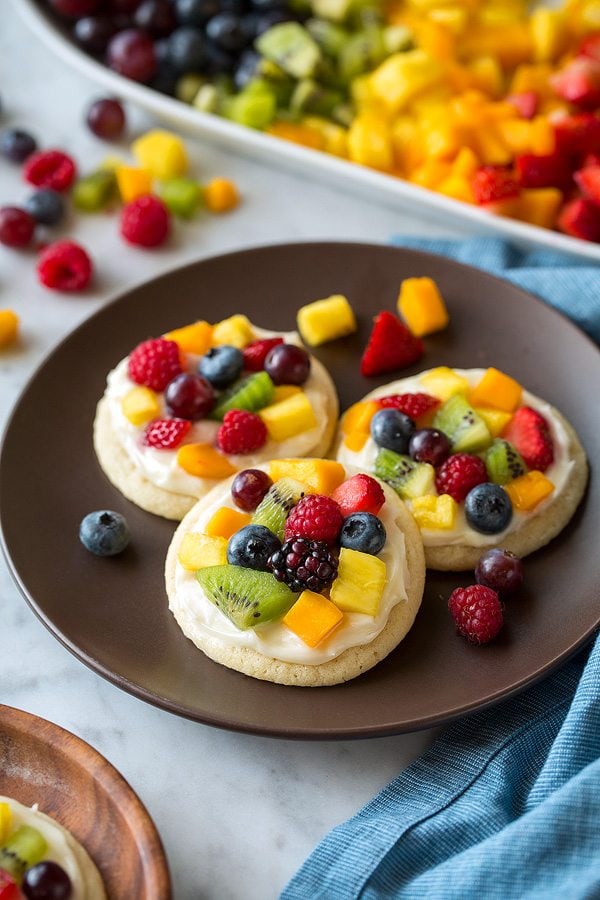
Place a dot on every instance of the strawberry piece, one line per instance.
(529, 433)
(166, 434)
(581, 219)
(391, 346)
(526, 103)
(493, 183)
(9, 889)
(551, 170)
(578, 134)
(413, 405)
(154, 363)
(591, 159)
(361, 493)
(579, 83)
(256, 352)
(588, 180)
(241, 432)
(590, 47)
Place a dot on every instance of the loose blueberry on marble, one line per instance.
(104, 532)
(46, 206)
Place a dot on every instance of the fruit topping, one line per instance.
(429, 445)
(257, 351)
(154, 363)
(488, 508)
(459, 475)
(466, 430)
(289, 417)
(17, 145)
(477, 612)
(444, 383)
(203, 461)
(392, 429)
(251, 393)
(104, 533)
(321, 476)
(222, 365)
(326, 320)
(246, 596)
(529, 432)
(106, 118)
(361, 493)
(226, 521)
(422, 306)
(140, 405)
(241, 432)
(25, 847)
(495, 420)
(588, 180)
(363, 531)
(16, 227)
(302, 563)
(287, 364)
(46, 881)
(580, 218)
(46, 206)
(358, 417)
(278, 501)
(315, 517)
(500, 570)
(435, 512)
(502, 462)
(236, 330)
(249, 488)
(64, 266)
(189, 396)
(360, 583)
(252, 547)
(413, 405)
(199, 550)
(527, 491)
(166, 434)
(493, 183)
(9, 889)
(408, 478)
(313, 618)
(195, 338)
(145, 222)
(50, 169)
(391, 346)
(497, 390)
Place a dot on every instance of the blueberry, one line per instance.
(218, 62)
(46, 206)
(221, 365)
(488, 508)
(252, 546)
(17, 145)
(363, 531)
(392, 429)
(104, 532)
(247, 67)
(226, 30)
(196, 12)
(187, 49)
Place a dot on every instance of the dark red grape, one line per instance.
(249, 487)
(500, 570)
(288, 364)
(46, 881)
(131, 53)
(428, 445)
(189, 396)
(16, 226)
(126, 7)
(94, 32)
(156, 17)
(106, 118)
(75, 9)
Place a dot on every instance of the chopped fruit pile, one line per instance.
(303, 552)
(476, 446)
(24, 873)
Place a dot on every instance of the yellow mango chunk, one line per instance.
(528, 490)
(404, 75)
(313, 618)
(360, 583)
(495, 419)
(326, 320)
(421, 306)
(195, 338)
(321, 476)
(203, 461)
(497, 390)
(283, 391)
(6, 821)
(434, 512)
(140, 405)
(9, 327)
(197, 551)
(132, 182)
(458, 187)
(235, 331)
(303, 134)
(356, 440)
(357, 417)
(221, 195)
(540, 206)
(443, 383)
(288, 417)
(162, 153)
(226, 521)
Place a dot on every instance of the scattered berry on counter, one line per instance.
(252, 547)
(315, 517)
(488, 508)
(104, 532)
(64, 266)
(154, 363)
(477, 613)
(363, 531)
(166, 434)
(106, 118)
(241, 432)
(46, 206)
(9, 327)
(145, 222)
(50, 169)
(500, 570)
(249, 488)
(391, 346)
(459, 474)
(17, 145)
(16, 227)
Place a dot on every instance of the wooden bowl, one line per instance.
(42, 763)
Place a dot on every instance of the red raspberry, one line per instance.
(529, 432)
(165, 434)
(361, 493)
(154, 363)
(145, 221)
(413, 405)
(64, 266)
(16, 226)
(315, 517)
(477, 612)
(241, 432)
(50, 169)
(459, 474)
(256, 352)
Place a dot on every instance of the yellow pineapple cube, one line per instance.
(321, 476)
(443, 383)
(6, 821)
(313, 618)
(326, 320)
(496, 420)
(235, 331)
(435, 512)
(283, 391)
(404, 75)
(370, 143)
(162, 153)
(360, 583)
(197, 551)
(289, 417)
(140, 405)
(548, 34)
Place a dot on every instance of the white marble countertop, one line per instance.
(216, 788)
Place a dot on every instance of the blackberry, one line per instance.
(304, 564)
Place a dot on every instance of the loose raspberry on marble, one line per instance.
(315, 517)
(166, 434)
(64, 266)
(460, 474)
(241, 432)
(257, 351)
(50, 169)
(145, 221)
(477, 612)
(154, 363)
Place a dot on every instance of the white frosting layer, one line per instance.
(161, 467)
(274, 639)
(462, 533)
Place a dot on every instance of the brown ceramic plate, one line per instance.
(42, 763)
(112, 613)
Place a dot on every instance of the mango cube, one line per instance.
(495, 419)
(497, 390)
(226, 521)
(540, 206)
(197, 551)
(132, 182)
(6, 821)
(370, 143)
(358, 416)
(360, 583)
(140, 405)
(235, 331)
(435, 512)
(203, 461)
(289, 417)
(195, 338)
(162, 153)
(221, 195)
(321, 476)
(421, 306)
(313, 618)
(326, 320)
(9, 327)
(444, 383)
(528, 490)
(356, 440)
(404, 75)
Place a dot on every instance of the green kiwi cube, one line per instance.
(246, 596)
(276, 505)
(291, 47)
(407, 477)
(24, 848)
(465, 429)
(503, 462)
(251, 393)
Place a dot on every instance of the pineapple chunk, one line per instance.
(495, 419)
(404, 75)
(313, 618)
(326, 320)
(235, 331)
(321, 476)
(289, 417)
(6, 821)
(199, 550)
(435, 512)
(444, 383)
(162, 153)
(360, 583)
(139, 405)
(283, 391)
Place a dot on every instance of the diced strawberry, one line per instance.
(551, 170)
(256, 352)
(526, 103)
(590, 46)
(588, 180)
(8, 887)
(529, 433)
(414, 405)
(391, 346)
(361, 493)
(493, 183)
(591, 159)
(578, 134)
(579, 83)
(580, 218)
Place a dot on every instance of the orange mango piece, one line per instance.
(221, 195)
(540, 206)
(195, 338)
(357, 417)
(321, 476)
(133, 182)
(226, 521)
(9, 327)
(528, 490)
(313, 618)
(356, 440)
(203, 461)
(421, 306)
(297, 134)
(497, 390)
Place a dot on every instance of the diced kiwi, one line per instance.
(334, 10)
(362, 53)
(409, 479)
(254, 107)
(465, 429)
(331, 38)
(397, 38)
(291, 47)
(503, 462)
(251, 393)
(311, 97)
(246, 596)
(24, 848)
(95, 191)
(274, 508)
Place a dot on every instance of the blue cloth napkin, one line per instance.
(506, 803)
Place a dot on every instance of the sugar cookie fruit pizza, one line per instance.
(299, 571)
(190, 408)
(479, 461)
(41, 858)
